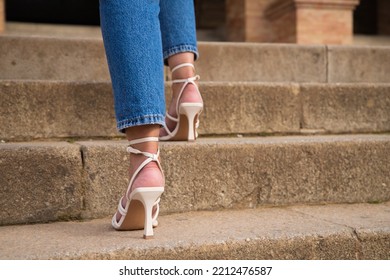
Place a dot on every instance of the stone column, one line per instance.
(312, 21)
(245, 20)
(235, 20)
(2, 16)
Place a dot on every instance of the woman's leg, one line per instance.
(132, 40)
(177, 19)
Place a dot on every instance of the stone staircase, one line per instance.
(293, 161)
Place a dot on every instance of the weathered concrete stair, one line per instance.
(57, 91)
(47, 58)
(272, 89)
(49, 181)
(63, 109)
(350, 232)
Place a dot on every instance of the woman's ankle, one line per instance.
(150, 175)
(190, 93)
(143, 131)
(183, 73)
(180, 58)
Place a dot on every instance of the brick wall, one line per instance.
(245, 20)
(324, 26)
(282, 18)
(257, 26)
(235, 20)
(311, 21)
(2, 15)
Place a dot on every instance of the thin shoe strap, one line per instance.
(143, 140)
(182, 65)
(150, 157)
(146, 154)
(188, 80)
(143, 164)
(172, 118)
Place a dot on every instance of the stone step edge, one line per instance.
(85, 60)
(202, 82)
(84, 180)
(343, 231)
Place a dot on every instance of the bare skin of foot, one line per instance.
(190, 93)
(151, 174)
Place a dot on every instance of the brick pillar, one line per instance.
(312, 21)
(245, 20)
(2, 15)
(235, 20)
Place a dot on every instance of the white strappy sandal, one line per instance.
(187, 120)
(138, 212)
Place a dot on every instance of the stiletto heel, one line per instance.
(187, 113)
(148, 197)
(138, 212)
(190, 111)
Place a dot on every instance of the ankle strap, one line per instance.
(182, 65)
(143, 140)
(188, 80)
(132, 150)
(150, 157)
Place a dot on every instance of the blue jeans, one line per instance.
(139, 36)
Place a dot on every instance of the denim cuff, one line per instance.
(144, 120)
(180, 49)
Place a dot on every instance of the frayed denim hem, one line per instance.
(180, 49)
(144, 120)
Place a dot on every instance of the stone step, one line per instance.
(62, 109)
(50, 181)
(50, 58)
(359, 231)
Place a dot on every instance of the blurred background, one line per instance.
(285, 21)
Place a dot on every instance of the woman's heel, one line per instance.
(148, 197)
(142, 206)
(191, 111)
(187, 113)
